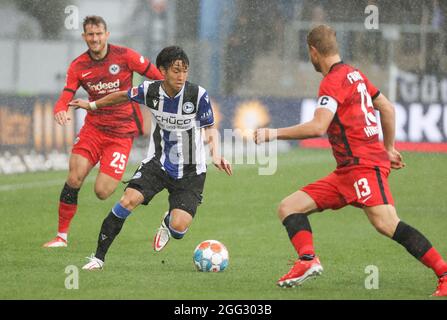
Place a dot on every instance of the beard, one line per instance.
(98, 48)
(317, 66)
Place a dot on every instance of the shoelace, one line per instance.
(292, 262)
(165, 229)
(163, 236)
(440, 283)
(91, 258)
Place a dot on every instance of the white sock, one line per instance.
(62, 235)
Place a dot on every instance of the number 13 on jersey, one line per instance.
(362, 188)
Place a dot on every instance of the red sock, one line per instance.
(303, 243)
(433, 260)
(66, 214)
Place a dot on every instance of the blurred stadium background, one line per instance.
(251, 55)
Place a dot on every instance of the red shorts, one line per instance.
(354, 185)
(111, 152)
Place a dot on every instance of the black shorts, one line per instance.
(184, 193)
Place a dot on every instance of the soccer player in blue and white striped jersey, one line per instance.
(182, 122)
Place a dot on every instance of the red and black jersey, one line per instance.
(102, 77)
(353, 132)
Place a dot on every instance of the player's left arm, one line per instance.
(316, 127)
(388, 120)
(142, 65)
(205, 120)
(212, 138)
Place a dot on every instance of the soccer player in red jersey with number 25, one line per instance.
(345, 111)
(107, 134)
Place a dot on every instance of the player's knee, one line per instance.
(384, 228)
(128, 203)
(284, 209)
(75, 181)
(177, 230)
(102, 194)
(177, 225)
(287, 208)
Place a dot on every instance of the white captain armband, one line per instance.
(327, 102)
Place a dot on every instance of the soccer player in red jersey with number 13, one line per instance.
(345, 111)
(107, 134)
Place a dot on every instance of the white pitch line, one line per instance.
(36, 184)
(296, 159)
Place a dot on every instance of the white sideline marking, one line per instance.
(296, 159)
(36, 184)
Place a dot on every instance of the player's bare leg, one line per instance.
(174, 224)
(105, 185)
(384, 218)
(297, 202)
(112, 226)
(293, 212)
(79, 168)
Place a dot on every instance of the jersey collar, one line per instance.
(177, 95)
(335, 64)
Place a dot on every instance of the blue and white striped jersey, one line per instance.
(176, 139)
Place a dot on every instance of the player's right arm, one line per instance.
(329, 97)
(71, 85)
(109, 100)
(137, 94)
(388, 120)
(314, 128)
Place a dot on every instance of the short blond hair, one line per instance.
(323, 38)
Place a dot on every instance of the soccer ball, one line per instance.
(211, 255)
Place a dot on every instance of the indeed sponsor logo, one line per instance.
(104, 85)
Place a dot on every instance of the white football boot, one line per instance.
(93, 264)
(162, 236)
(57, 242)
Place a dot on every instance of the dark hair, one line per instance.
(169, 55)
(95, 20)
(324, 39)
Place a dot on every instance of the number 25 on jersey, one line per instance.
(119, 161)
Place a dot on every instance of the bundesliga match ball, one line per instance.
(211, 255)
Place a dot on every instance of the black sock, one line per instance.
(69, 195)
(412, 240)
(307, 257)
(110, 228)
(167, 218)
(295, 223)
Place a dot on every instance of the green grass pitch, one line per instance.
(240, 211)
